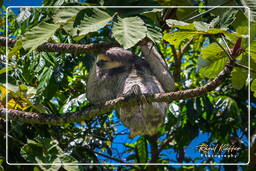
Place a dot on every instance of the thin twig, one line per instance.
(226, 44)
(109, 157)
(185, 47)
(244, 67)
(228, 54)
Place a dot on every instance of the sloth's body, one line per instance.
(117, 73)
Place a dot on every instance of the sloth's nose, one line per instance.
(100, 63)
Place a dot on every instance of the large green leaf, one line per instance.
(176, 38)
(63, 15)
(90, 20)
(154, 31)
(212, 61)
(38, 35)
(129, 31)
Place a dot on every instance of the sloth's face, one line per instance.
(105, 63)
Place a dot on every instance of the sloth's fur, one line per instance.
(117, 72)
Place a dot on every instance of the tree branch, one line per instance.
(96, 110)
(177, 58)
(65, 47)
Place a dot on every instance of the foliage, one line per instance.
(52, 82)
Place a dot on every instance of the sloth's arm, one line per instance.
(158, 65)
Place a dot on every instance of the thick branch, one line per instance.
(90, 112)
(65, 47)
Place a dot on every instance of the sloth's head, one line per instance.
(114, 58)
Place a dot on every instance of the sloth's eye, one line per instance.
(101, 63)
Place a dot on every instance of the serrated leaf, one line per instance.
(212, 61)
(38, 35)
(91, 20)
(129, 31)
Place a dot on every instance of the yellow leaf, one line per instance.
(3, 92)
(12, 104)
(108, 143)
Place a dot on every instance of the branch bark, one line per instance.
(92, 111)
(65, 47)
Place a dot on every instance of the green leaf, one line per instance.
(91, 20)
(212, 61)
(201, 26)
(129, 31)
(153, 15)
(44, 79)
(65, 15)
(69, 159)
(214, 23)
(75, 102)
(176, 38)
(3, 71)
(24, 14)
(180, 24)
(228, 18)
(227, 105)
(252, 5)
(253, 49)
(45, 150)
(41, 160)
(154, 31)
(141, 148)
(253, 87)
(38, 35)
(239, 77)
(15, 50)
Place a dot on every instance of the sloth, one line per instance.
(117, 72)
